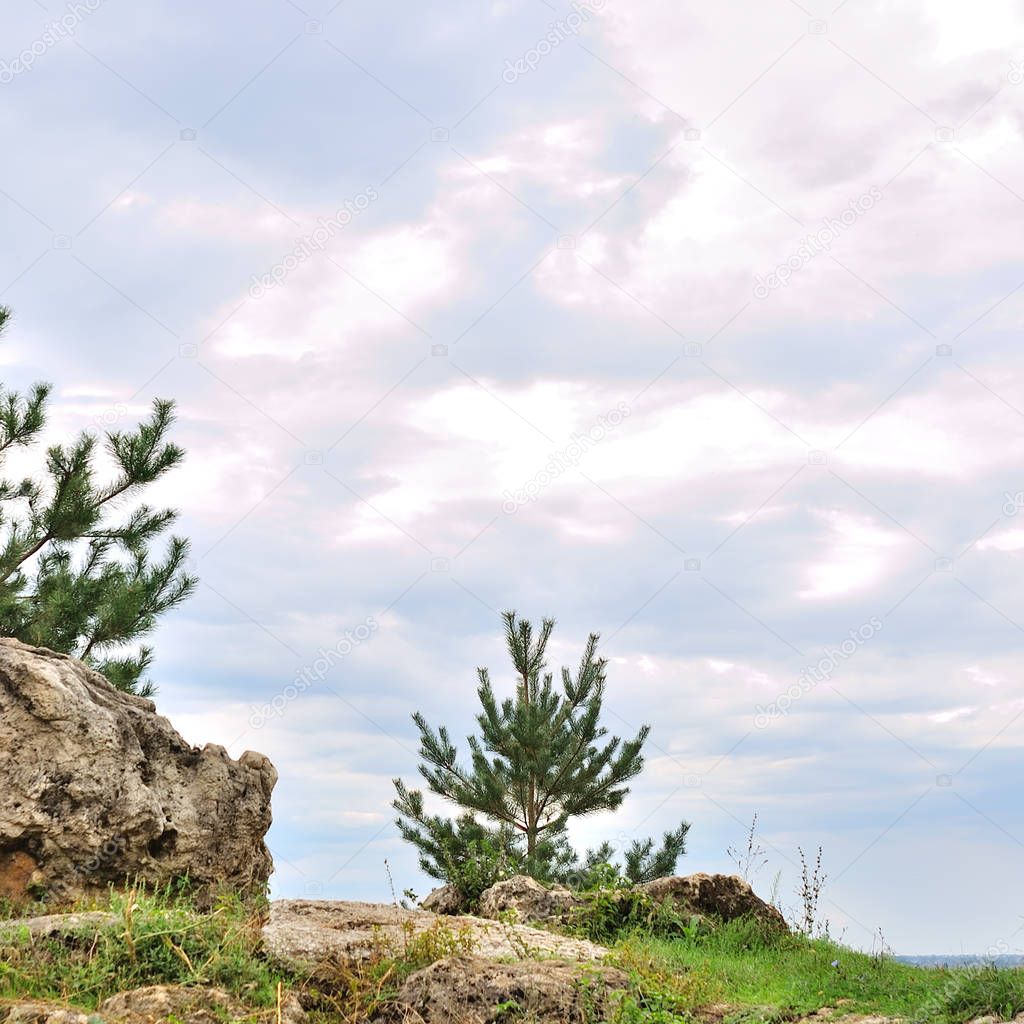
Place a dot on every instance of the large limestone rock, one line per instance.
(472, 990)
(305, 934)
(530, 901)
(96, 787)
(721, 897)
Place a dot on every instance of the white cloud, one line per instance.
(333, 306)
(1007, 540)
(984, 677)
(859, 553)
(942, 717)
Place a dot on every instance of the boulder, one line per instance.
(531, 901)
(157, 1004)
(445, 900)
(306, 934)
(43, 1013)
(57, 926)
(97, 788)
(472, 990)
(722, 897)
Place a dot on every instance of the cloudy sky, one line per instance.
(691, 324)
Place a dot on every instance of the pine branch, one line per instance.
(69, 579)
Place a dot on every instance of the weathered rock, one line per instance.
(445, 900)
(54, 925)
(531, 901)
(834, 1014)
(303, 934)
(97, 787)
(472, 990)
(723, 897)
(43, 1013)
(157, 1004)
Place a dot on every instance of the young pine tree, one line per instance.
(642, 861)
(74, 575)
(542, 757)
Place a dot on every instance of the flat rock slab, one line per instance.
(305, 933)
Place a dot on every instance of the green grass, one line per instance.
(757, 977)
(158, 939)
(732, 974)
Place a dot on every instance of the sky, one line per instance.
(689, 324)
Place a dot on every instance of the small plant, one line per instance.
(391, 883)
(603, 875)
(508, 919)
(880, 950)
(486, 863)
(773, 898)
(351, 991)
(422, 948)
(751, 858)
(507, 1010)
(812, 884)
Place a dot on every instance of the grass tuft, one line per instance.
(157, 938)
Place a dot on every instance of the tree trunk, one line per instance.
(531, 810)
(531, 822)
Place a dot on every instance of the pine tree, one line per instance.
(541, 758)
(75, 576)
(641, 861)
(644, 863)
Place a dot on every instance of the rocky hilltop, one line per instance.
(477, 966)
(99, 790)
